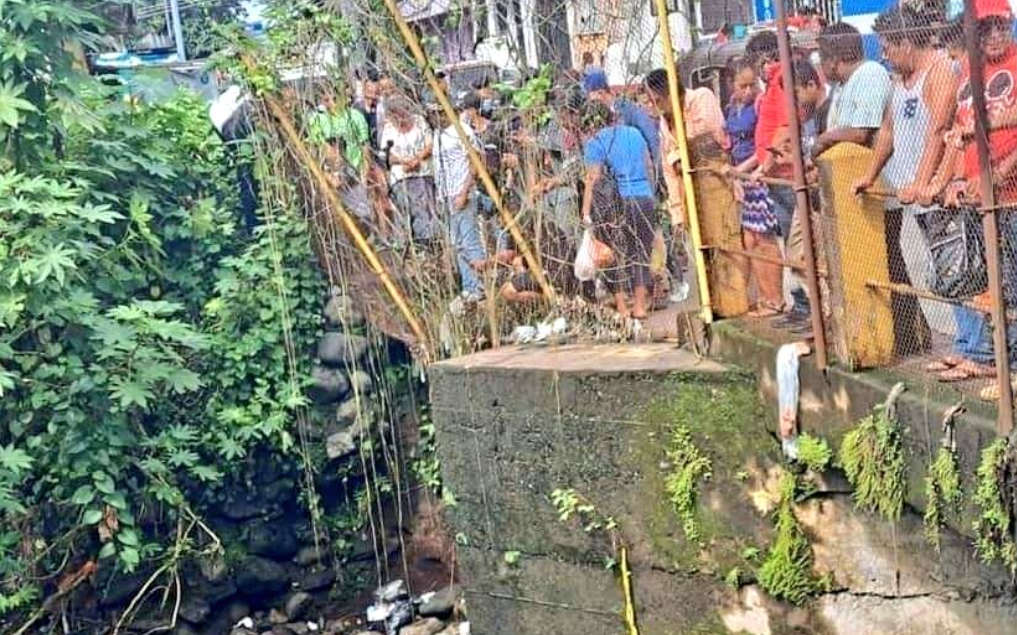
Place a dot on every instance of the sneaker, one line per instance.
(680, 293)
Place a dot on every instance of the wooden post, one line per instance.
(862, 315)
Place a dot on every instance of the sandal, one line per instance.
(764, 310)
(966, 371)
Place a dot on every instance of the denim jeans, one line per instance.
(974, 339)
(783, 197)
(467, 244)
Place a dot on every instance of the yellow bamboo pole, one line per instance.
(630, 605)
(312, 165)
(410, 38)
(683, 152)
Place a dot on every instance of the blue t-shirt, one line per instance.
(631, 114)
(623, 149)
(740, 125)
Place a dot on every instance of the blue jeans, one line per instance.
(464, 235)
(783, 197)
(973, 339)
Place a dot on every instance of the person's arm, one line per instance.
(939, 94)
(832, 137)
(881, 154)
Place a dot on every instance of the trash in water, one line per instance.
(392, 591)
(402, 614)
(247, 622)
(377, 613)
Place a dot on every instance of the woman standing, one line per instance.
(406, 140)
(619, 154)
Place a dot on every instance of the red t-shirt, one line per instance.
(1000, 96)
(772, 111)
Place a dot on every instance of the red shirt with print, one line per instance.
(1000, 96)
(772, 111)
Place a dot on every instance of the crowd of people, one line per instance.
(607, 162)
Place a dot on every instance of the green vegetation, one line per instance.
(814, 453)
(786, 573)
(689, 466)
(942, 493)
(872, 455)
(994, 533)
(146, 344)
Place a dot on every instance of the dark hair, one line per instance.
(903, 23)
(588, 58)
(841, 42)
(595, 115)
(656, 81)
(739, 64)
(762, 45)
(805, 73)
(469, 101)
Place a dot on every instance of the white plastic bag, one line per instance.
(585, 268)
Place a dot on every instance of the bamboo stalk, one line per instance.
(683, 151)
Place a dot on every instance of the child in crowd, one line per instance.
(760, 226)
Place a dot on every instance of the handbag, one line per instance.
(957, 246)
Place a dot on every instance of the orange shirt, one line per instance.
(703, 116)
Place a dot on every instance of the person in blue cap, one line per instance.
(628, 112)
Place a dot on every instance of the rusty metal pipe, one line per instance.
(803, 207)
(990, 222)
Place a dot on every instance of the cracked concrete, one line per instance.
(508, 436)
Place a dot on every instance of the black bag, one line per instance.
(957, 245)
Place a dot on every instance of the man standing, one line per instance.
(628, 112)
(861, 89)
(457, 204)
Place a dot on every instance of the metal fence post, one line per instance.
(691, 209)
(990, 221)
(803, 206)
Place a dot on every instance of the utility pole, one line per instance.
(178, 30)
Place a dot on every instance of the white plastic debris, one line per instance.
(464, 628)
(559, 326)
(247, 622)
(378, 612)
(524, 334)
(312, 626)
(543, 332)
(788, 391)
(427, 597)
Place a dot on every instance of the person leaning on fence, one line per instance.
(618, 161)
(958, 182)
(455, 184)
(908, 149)
(627, 111)
(704, 127)
(408, 144)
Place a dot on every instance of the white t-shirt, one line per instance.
(451, 162)
(407, 144)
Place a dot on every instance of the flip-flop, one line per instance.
(943, 365)
(966, 371)
(763, 312)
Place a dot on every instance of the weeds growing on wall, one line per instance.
(786, 573)
(814, 453)
(872, 455)
(689, 467)
(943, 494)
(993, 527)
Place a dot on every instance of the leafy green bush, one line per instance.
(814, 453)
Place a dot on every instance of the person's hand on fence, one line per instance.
(953, 196)
(909, 193)
(859, 187)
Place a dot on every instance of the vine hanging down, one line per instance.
(689, 467)
(994, 498)
(942, 483)
(872, 456)
(787, 573)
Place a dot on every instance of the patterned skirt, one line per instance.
(757, 210)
